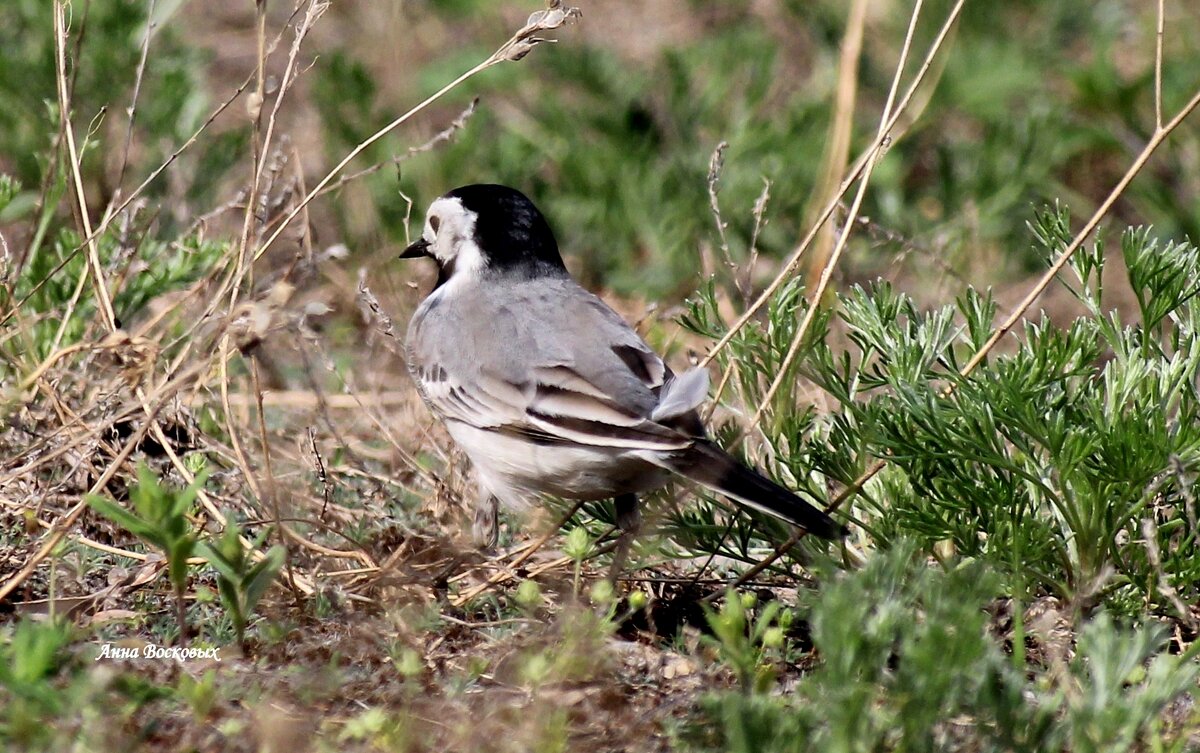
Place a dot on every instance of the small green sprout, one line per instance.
(160, 518)
(241, 581)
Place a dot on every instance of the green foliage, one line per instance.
(171, 103)
(200, 694)
(906, 658)
(636, 228)
(613, 143)
(160, 518)
(529, 596)
(241, 581)
(1045, 461)
(573, 648)
(9, 189)
(49, 281)
(743, 639)
(56, 694)
(31, 655)
(385, 731)
(1120, 682)
(143, 256)
(578, 546)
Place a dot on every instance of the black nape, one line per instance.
(510, 231)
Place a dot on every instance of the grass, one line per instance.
(1022, 569)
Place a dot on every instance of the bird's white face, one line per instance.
(450, 232)
(487, 229)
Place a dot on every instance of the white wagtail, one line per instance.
(546, 388)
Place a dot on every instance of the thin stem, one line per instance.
(137, 89)
(258, 147)
(860, 165)
(103, 301)
(827, 272)
(1158, 63)
(181, 614)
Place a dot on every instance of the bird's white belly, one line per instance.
(516, 470)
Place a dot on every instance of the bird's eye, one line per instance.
(435, 223)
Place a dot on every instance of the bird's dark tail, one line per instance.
(709, 465)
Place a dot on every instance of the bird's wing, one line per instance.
(588, 381)
(553, 404)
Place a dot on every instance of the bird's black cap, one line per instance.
(510, 231)
(511, 234)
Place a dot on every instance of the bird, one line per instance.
(548, 390)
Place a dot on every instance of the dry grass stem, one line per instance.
(131, 111)
(103, 299)
(716, 163)
(837, 150)
(853, 175)
(517, 46)
(506, 574)
(816, 297)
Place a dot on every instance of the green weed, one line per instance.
(908, 664)
(241, 581)
(160, 518)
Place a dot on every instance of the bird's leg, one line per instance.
(486, 529)
(629, 520)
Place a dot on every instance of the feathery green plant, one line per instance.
(907, 664)
(1046, 461)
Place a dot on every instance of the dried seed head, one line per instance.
(135, 356)
(526, 37)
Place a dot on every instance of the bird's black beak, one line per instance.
(418, 249)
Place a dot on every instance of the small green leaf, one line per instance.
(226, 569)
(127, 520)
(262, 575)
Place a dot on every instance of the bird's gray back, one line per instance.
(512, 327)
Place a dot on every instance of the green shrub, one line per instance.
(1046, 461)
(907, 663)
